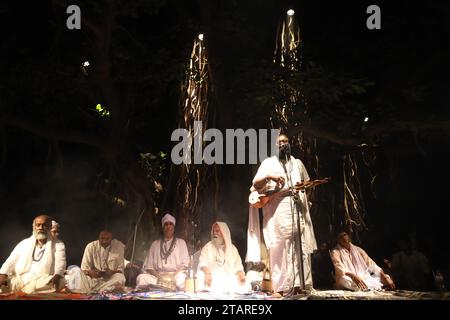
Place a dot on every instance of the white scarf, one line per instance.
(228, 245)
(356, 264)
(24, 263)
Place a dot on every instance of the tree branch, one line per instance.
(371, 132)
(44, 131)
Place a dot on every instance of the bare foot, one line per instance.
(277, 295)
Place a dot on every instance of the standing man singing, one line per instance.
(280, 214)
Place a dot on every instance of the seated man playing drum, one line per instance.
(167, 260)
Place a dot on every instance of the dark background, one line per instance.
(42, 90)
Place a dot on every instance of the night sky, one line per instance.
(44, 93)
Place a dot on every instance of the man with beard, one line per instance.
(220, 267)
(167, 259)
(101, 267)
(36, 264)
(286, 209)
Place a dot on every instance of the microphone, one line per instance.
(286, 148)
(285, 151)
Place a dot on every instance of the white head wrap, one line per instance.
(168, 218)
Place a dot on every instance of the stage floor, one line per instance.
(257, 296)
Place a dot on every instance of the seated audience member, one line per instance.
(36, 264)
(220, 266)
(322, 268)
(410, 268)
(354, 269)
(167, 260)
(101, 267)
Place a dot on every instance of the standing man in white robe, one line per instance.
(280, 216)
(101, 267)
(167, 260)
(37, 264)
(355, 270)
(220, 267)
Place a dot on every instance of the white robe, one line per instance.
(177, 260)
(99, 258)
(223, 262)
(358, 262)
(279, 226)
(28, 276)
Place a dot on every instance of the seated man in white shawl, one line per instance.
(220, 267)
(167, 259)
(37, 264)
(101, 267)
(354, 269)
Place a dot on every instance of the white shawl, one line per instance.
(19, 262)
(233, 262)
(356, 261)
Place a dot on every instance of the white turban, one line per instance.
(168, 218)
(55, 224)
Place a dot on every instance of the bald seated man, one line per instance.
(36, 264)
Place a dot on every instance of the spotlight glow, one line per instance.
(86, 64)
(290, 12)
(366, 119)
(200, 36)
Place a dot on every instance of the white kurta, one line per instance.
(33, 276)
(358, 262)
(280, 227)
(177, 260)
(223, 262)
(98, 258)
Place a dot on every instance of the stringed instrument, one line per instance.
(258, 199)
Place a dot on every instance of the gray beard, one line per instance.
(218, 241)
(40, 235)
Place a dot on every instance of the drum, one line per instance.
(166, 281)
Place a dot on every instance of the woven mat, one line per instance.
(164, 295)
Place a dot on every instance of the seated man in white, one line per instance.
(101, 267)
(220, 267)
(37, 264)
(167, 259)
(354, 269)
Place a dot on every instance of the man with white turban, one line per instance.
(220, 267)
(55, 229)
(101, 267)
(167, 259)
(37, 264)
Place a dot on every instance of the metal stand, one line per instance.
(134, 237)
(295, 213)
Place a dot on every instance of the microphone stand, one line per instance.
(192, 274)
(134, 237)
(298, 240)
